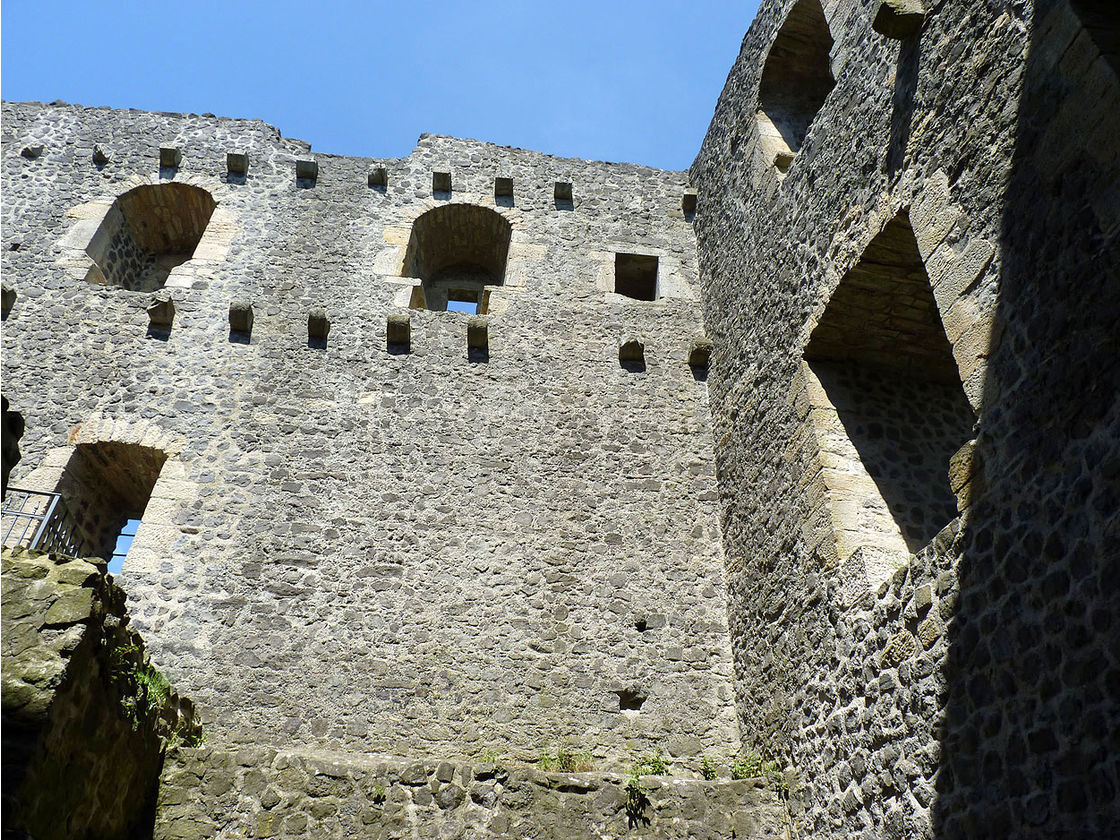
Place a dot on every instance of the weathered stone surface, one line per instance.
(478, 333)
(398, 329)
(901, 247)
(161, 313)
(237, 163)
(1003, 168)
(170, 157)
(392, 797)
(395, 503)
(241, 316)
(899, 19)
(82, 729)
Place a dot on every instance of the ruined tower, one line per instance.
(435, 480)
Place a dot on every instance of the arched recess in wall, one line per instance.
(103, 486)
(1101, 20)
(886, 404)
(147, 232)
(796, 80)
(457, 251)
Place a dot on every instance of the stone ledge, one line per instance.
(258, 791)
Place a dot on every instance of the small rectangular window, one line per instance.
(462, 300)
(635, 275)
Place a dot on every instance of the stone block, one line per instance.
(33, 151)
(307, 169)
(503, 188)
(700, 353)
(70, 608)
(318, 324)
(688, 202)
(478, 333)
(562, 191)
(378, 178)
(161, 313)
(631, 350)
(441, 182)
(170, 157)
(398, 329)
(899, 19)
(962, 466)
(237, 163)
(241, 316)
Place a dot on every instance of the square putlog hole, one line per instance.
(635, 275)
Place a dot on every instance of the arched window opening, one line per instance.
(893, 411)
(796, 80)
(149, 231)
(106, 487)
(458, 251)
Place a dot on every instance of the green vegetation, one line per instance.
(708, 768)
(566, 760)
(754, 766)
(378, 793)
(748, 766)
(652, 764)
(144, 693)
(489, 756)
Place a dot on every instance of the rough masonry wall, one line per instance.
(262, 792)
(997, 131)
(353, 548)
(83, 737)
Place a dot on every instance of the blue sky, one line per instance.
(630, 81)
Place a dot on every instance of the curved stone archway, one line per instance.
(147, 232)
(457, 251)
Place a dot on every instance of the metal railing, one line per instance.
(35, 519)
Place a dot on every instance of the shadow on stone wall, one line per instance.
(1031, 746)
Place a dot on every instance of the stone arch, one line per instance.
(796, 79)
(457, 251)
(886, 406)
(147, 232)
(104, 485)
(112, 470)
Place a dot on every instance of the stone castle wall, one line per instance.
(261, 792)
(968, 694)
(372, 547)
(84, 731)
(882, 547)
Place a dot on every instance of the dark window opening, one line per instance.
(630, 701)
(459, 252)
(635, 276)
(796, 80)
(149, 231)
(882, 357)
(640, 625)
